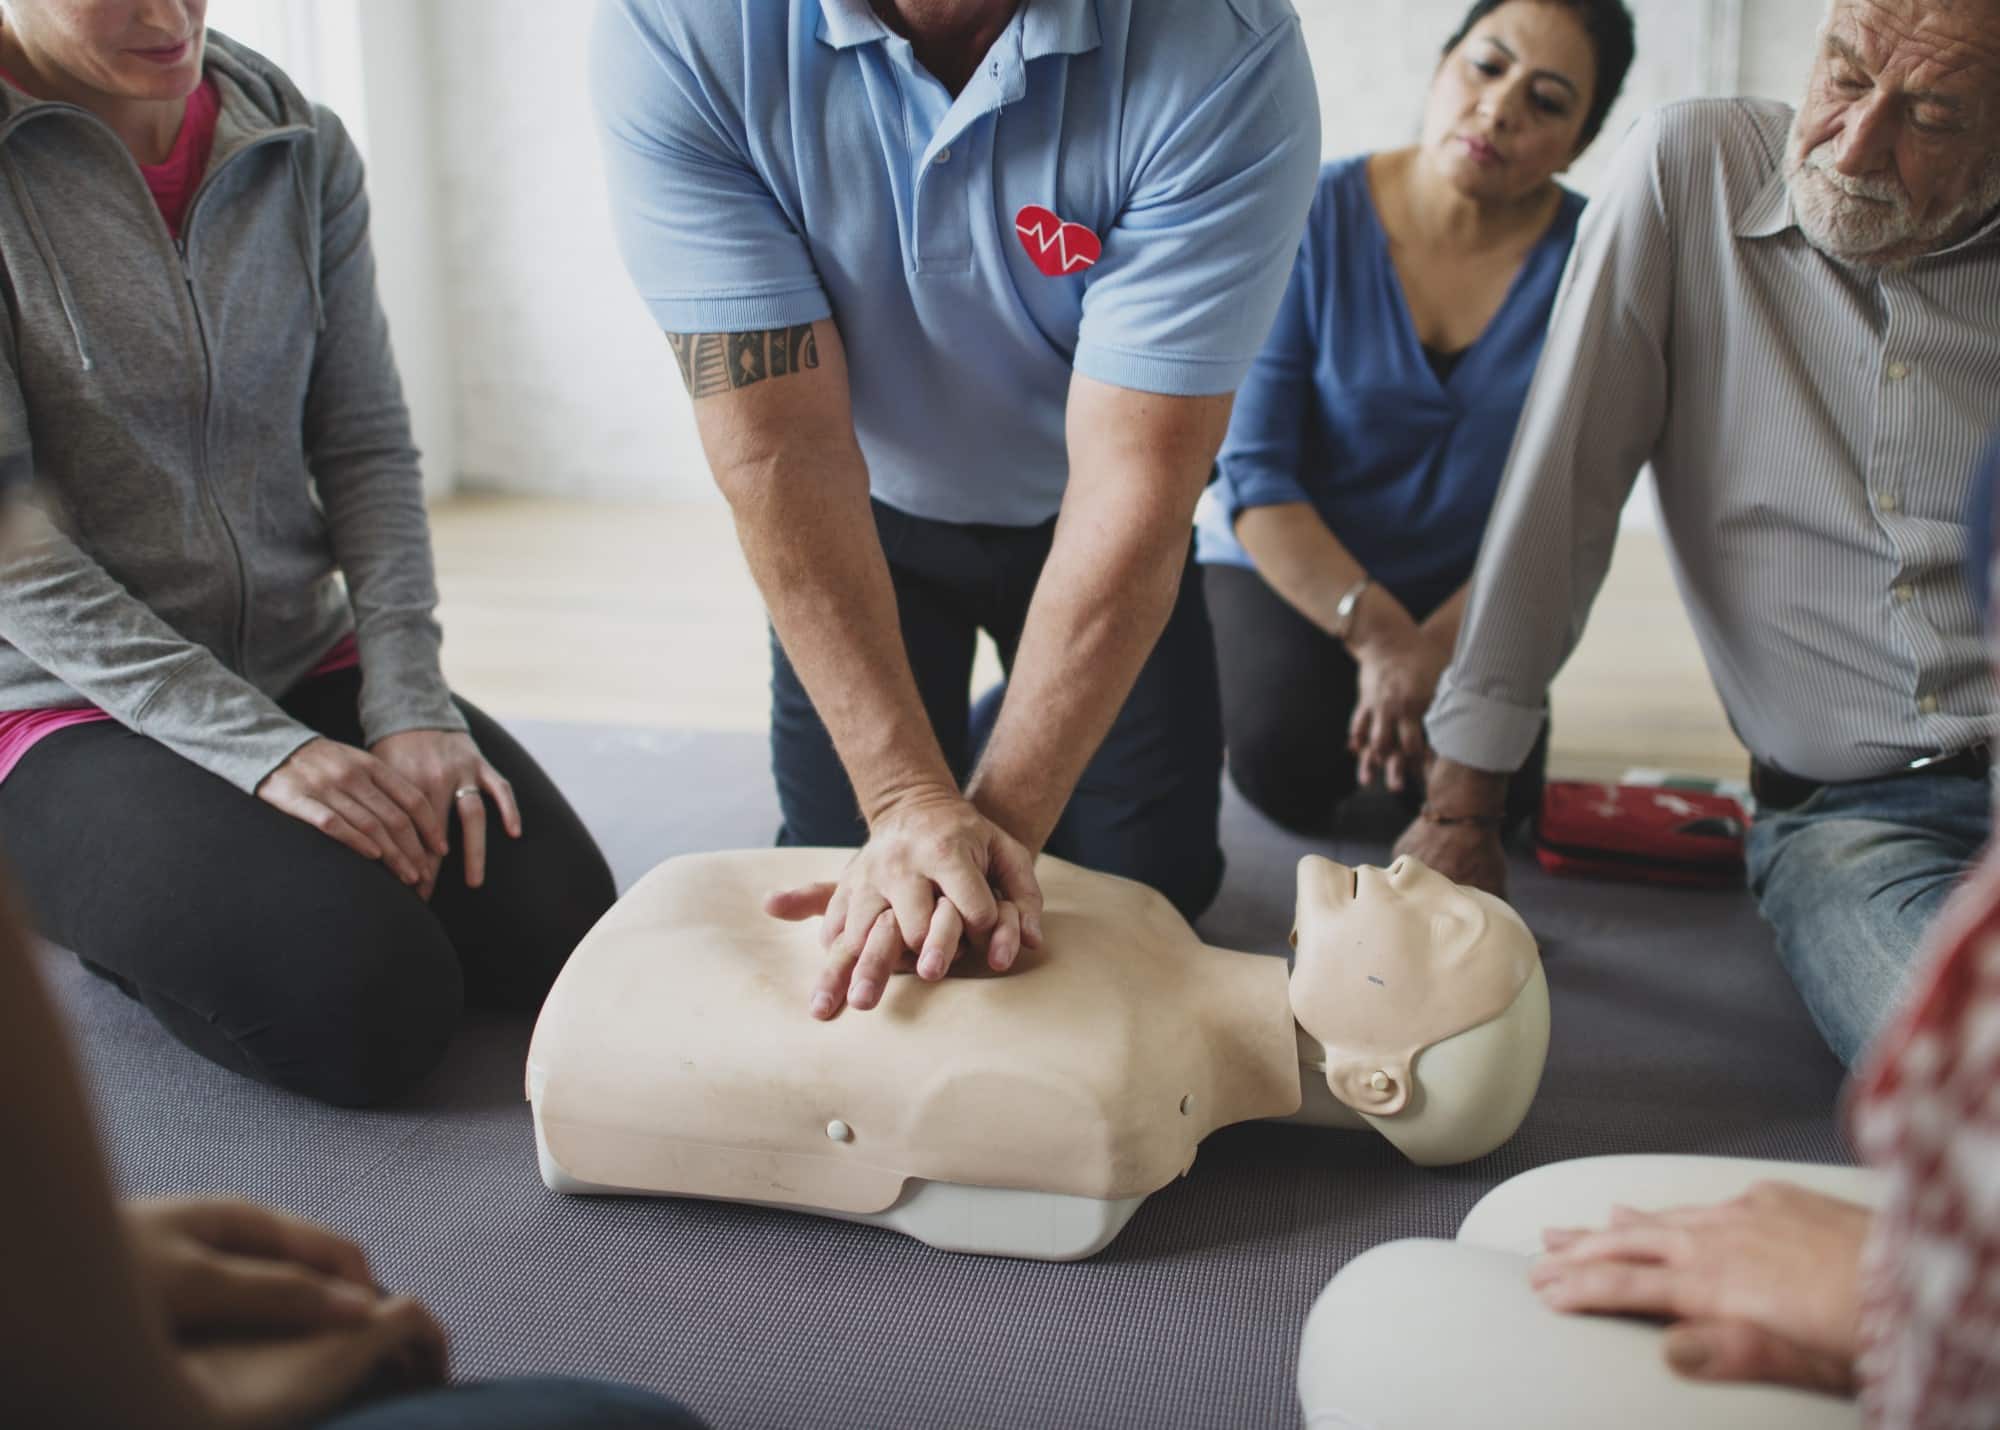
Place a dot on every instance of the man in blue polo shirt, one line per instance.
(960, 289)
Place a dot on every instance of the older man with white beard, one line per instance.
(1794, 318)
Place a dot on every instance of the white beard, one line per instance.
(1870, 220)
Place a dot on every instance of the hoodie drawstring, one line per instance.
(308, 245)
(48, 254)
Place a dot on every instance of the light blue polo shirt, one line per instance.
(775, 162)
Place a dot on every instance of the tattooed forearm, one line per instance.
(720, 362)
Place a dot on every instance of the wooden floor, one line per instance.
(645, 615)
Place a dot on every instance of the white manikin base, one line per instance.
(984, 1221)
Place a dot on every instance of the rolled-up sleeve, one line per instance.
(1594, 416)
(707, 243)
(1191, 274)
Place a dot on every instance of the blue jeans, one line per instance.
(1851, 881)
(538, 1404)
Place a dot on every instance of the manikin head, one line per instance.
(1426, 1001)
(1896, 151)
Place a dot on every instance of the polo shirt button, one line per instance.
(1928, 705)
(1904, 594)
(1898, 371)
(1885, 501)
(943, 155)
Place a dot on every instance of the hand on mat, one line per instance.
(441, 763)
(1762, 1288)
(360, 800)
(935, 876)
(1399, 665)
(273, 1318)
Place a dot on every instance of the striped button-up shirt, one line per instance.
(1813, 428)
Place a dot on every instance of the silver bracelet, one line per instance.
(1343, 613)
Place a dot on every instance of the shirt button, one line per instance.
(1885, 501)
(1898, 371)
(1927, 705)
(1904, 594)
(943, 155)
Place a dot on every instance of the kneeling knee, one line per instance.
(1285, 791)
(377, 1021)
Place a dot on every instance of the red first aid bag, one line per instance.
(1642, 834)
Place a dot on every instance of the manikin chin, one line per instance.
(1028, 1115)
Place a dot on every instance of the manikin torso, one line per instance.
(1028, 1114)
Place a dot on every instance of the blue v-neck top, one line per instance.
(1342, 408)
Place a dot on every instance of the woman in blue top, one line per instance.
(1369, 439)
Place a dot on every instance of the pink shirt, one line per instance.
(172, 183)
(174, 180)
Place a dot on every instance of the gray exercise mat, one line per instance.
(1675, 1031)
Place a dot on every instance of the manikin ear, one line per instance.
(1378, 1086)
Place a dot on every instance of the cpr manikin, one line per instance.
(1029, 1114)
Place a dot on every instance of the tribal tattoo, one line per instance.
(721, 362)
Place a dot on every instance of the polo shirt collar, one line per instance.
(844, 24)
(1045, 27)
(1058, 27)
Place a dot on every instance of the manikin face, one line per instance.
(120, 49)
(1391, 962)
(1507, 108)
(1896, 151)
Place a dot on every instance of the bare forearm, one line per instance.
(1137, 464)
(811, 543)
(1300, 558)
(1098, 612)
(84, 1345)
(1457, 790)
(775, 422)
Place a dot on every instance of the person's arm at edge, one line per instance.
(84, 1344)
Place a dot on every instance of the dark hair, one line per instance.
(1609, 25)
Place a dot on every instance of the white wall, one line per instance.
(368, 60)
(564, 383)
(563, 386)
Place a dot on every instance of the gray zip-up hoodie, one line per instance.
(215, 431)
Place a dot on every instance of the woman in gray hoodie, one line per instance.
(231, 773)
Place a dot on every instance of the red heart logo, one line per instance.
(1057, 248)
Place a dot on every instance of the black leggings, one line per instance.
(1288, 692)
(266, 946)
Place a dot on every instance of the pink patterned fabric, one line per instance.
(1927, 1109)
(22, 730)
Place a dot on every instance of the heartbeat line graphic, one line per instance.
(1051, 234)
